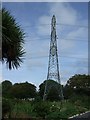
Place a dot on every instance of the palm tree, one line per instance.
(12, 41)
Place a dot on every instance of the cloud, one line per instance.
(35, 1)
(80, 32)
(46, 1)
(67, 15)
(43, 27)
(37, 51)
(43, 31)
(38, 42)
(73, 39)
(64, 13)
(35, 63)
(37, 47)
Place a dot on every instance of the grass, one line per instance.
(48, 110)
(23, 109)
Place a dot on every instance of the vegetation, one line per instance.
(53, 90)
(17, 102)
(78, 84)
(18, 90)
(45, 110)
(12, 41)
(6, 86)
(21, 100)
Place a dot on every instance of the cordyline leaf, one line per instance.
(12, 41)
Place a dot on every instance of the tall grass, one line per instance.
(48, 110)
(23, 109)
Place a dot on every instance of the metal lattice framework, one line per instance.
(53, 67)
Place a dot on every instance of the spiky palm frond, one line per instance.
(12, 41)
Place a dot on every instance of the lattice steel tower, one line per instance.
(53, 67)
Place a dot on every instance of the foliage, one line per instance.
(23, 109)
(72, 104)
(0, 89)
(80, 100)
(6, 86)
(23, 90)
(64, 110)
(77, 85)
(53, 90)
(79, 81)
(7, 107)
(46, 110)
(37, 98)
(18, 90)
(53, 94)
(12, 41)
(42, 109)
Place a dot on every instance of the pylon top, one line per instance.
(53, 15)
(53, 22)
(54, 18)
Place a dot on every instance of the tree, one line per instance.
(23, 90)
(53, 94)
(77, 84)
(53, 90)
(6, 108)
(6, 86)
(12, 41)
(0, 89)
(0, 94)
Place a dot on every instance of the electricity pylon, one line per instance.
(53, 66)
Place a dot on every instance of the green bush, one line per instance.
(55, 106)
(42, 109)
(81, 101)
(6, 108)
(60, 114)
(54, 116)
(23, 107)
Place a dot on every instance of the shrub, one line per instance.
(6, 108)
(23, 107)
(54, 116)
(42, 109)
(58, 115)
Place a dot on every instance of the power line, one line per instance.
(58, 24)
(39, 39)
(72, 25)
(74, 39)
(60, 39)
(71, 64)
(38, 57)
(77, 37)
(72, 57)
